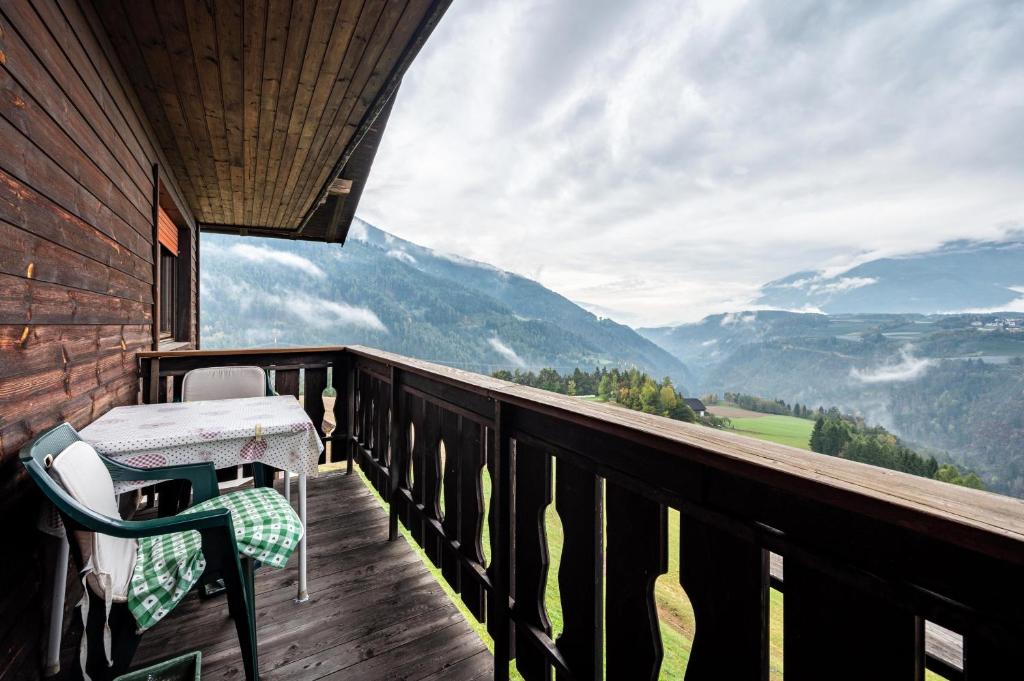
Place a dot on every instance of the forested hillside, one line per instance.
(953, 384)
(382, 291)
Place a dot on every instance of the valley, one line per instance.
(950, 385)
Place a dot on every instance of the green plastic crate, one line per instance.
(184, 668)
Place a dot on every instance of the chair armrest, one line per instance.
(136, 529)
(203, 476)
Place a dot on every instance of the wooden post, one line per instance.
(726, 580)
(579, 500)
(637, 556)
(156, 258)
(342, 421)
(502, 570)
(350, 410)
(314, 381)
(193, 322)
(398, 452)
(154, 380)
(533, 495)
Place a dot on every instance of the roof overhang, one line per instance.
(262, 106)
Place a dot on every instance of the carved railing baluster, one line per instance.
(314, 382)
(365, 407)
(418, 452)
(471, 457)
(344, 390)
(431, 518)
(532, 481)
(382, 439)
(398, 461)
(501, 525)
(836, 630)
(450, 567)
(726, 579)
(357, 411)
(637, 555)
(579, 502)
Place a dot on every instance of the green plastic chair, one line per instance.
(215, 526)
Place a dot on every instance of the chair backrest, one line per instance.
(81, 486)
(37, 457)
(221, 383)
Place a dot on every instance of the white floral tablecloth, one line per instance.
(273, 430)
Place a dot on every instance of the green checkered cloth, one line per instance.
(168, 565)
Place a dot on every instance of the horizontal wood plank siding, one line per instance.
(76, 264)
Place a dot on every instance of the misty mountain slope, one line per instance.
(525, 297)
(715, 337)
(954, 383)
(957, 276)
(385, 292)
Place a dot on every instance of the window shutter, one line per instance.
(167, 232)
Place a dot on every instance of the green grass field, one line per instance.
(786, 430)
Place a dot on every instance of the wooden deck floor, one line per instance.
(375, 611)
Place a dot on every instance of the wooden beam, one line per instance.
(391, 84)
(156, 256)
(340, 186)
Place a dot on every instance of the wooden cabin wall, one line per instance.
(76, 267)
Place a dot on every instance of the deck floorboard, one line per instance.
(375, 611)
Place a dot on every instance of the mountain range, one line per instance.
(390, 293)
(958, 276)
(951, 384)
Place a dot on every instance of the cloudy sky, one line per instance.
(657, 160)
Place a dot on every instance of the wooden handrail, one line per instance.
(983, 521)
(869, 554)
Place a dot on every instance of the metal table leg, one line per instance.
(303, 593)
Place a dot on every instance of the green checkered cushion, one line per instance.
(167, 566)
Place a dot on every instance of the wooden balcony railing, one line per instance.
(869, 554)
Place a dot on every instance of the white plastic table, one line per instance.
(272, 430)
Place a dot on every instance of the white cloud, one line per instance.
(733, 318)
(1015, 305)
(460, 260)
(744, 142)
(326, 313)
(401, 255)
(262, 254)
(506, 352)
(843, 284)
(357, 230)
(908, 368)
(290, 306)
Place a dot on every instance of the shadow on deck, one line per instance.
(375, 611)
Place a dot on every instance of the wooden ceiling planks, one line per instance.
(332, 37)
(356, 54)
(259, 103)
